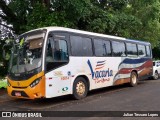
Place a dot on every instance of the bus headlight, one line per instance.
(35, 82)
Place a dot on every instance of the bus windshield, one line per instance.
(26, 55)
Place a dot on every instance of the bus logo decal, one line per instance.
(58, 73)
(100, 65)
(99, 72)
(65, 89)
(18, 84)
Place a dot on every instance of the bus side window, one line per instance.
(49, 57)
(102, 47)
(141, 50)
(60, 53)
(81, 46)
(148, 51)
(132, 50)
(118, 49)
(57, 53)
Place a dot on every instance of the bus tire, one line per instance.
(80, 88)
(156, 75)
(133, 79)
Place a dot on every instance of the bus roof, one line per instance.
(55, 28)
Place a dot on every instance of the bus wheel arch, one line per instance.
(133, 78)
(80, 87)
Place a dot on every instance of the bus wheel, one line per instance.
(156, 75)
(80, 88)
(133, 79)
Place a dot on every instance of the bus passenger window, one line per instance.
(118, 49)
(148, 51)
(49, 57)
(102, 47)
(60, 53)
(57, 53)
(132, 50)
(81, 46)
(141, 50)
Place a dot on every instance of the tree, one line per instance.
(126, 18)
(148, 13)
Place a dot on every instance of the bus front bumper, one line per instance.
(37, 91)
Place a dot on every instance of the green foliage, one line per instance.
(127, 18)
(148, 13)
(3, 83)
(156, 52)
(135, 19)
(39, 17)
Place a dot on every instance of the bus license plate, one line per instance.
(17, 93)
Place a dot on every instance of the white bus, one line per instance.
(55, 61)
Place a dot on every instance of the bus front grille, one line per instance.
(19, 87)
(22, 93)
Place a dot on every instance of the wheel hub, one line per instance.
(80, 88)
(134, 79)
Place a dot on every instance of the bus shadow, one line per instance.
(150, 79)
(3, 91)
(58, 102)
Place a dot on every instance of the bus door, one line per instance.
(57, 80)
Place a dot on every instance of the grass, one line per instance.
(3, 83)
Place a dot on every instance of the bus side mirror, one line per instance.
(4, 54)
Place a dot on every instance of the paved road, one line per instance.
(144, 97)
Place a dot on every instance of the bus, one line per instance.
(56, 61)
